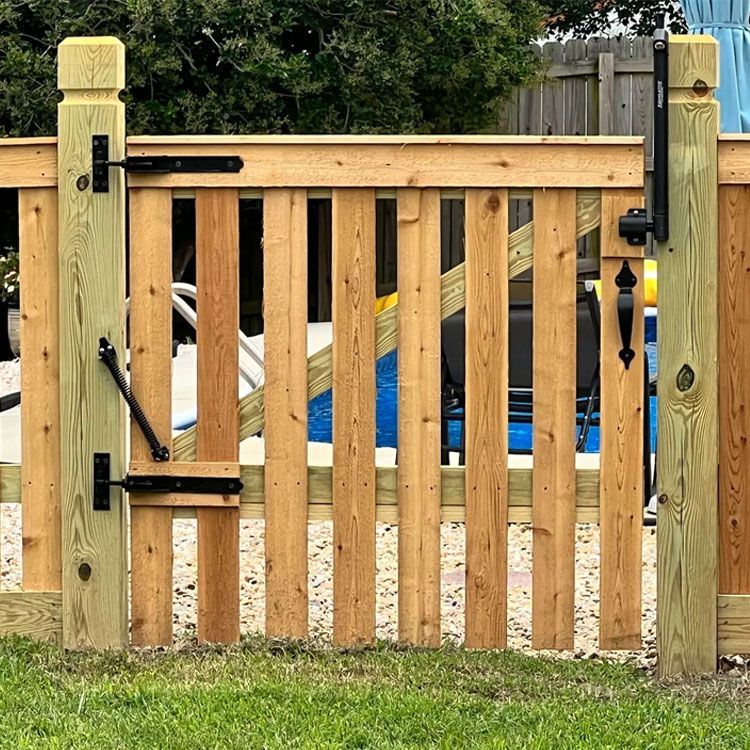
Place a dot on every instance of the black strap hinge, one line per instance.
(157, 483)
(153, 164)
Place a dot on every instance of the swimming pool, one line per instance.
(520, 436)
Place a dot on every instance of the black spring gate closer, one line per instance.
(635, 226)
(159, 452)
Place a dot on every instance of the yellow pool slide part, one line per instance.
(649, 282)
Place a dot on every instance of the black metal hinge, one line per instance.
(154, 164)
(157, 483)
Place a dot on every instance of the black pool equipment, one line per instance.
(635, 225)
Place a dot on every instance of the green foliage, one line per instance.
(9, 276)
(272, 66)
(584, 18)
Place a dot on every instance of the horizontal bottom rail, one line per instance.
(320, 506)
(37, 614)
(733, 619)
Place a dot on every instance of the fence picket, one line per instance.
(353, 416)
(151, 382)
(40, 371)
(554, 384)
(419, 417)
(285, 419)
(621, 419)
(217, 253)
(486, 418)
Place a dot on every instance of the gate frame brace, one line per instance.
(153, 164)
(162, 483)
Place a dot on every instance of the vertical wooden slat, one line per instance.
(554, 384)
(486, 418)
(285, 421)
(40, 408)
(217, 252)
(734, 389)
(151, 381)
(353, 416)
(419, 417)
(621, 467)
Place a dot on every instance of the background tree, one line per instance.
(585, 18)
(271, 66)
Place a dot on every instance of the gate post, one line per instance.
(91, 74)
(687, 455)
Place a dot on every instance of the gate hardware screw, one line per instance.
(685, 378)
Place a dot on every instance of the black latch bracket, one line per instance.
(153, 164)
(157, 483)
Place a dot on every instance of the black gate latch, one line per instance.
(635, 226)
(156, 483)
(154, 164)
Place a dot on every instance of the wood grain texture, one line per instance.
(734, 389)
(217, 254)
(419, 417)
(402, 161)
(453, 298)
(687, 459)
(28, 162)
(33, 614)
(353, 417)
(554, 383)
(40, 369)
(10, 483)
(733, 620)
(91, 256)
(621, 440)
(285, 399)
(486, 418)
(151, 382)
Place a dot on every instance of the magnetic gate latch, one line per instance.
(161, 483)
(153, 164)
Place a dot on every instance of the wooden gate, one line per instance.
(73, 237)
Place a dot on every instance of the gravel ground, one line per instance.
(320, 580)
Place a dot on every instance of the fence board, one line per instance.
(734, 390)
(217, 253)
(40, 370)
(285, 425)
(575, 91)
(353, 416)
(486, 418)
(419, 417)
(554, 383)
(621, 468)
(553, 93)
(151, 381)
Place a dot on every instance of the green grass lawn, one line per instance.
(292, 696)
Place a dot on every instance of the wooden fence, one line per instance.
(73, 252)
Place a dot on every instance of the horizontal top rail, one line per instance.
(734, 159)
(28, 162)
(381, 161)
(402, 161)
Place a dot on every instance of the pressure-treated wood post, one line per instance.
(687, 526)
(91, 74)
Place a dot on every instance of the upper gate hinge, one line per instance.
(155, 164)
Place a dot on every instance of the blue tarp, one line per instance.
(727, 22)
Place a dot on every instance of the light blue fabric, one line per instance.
(727, 22)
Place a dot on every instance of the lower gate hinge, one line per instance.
(163, 483)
